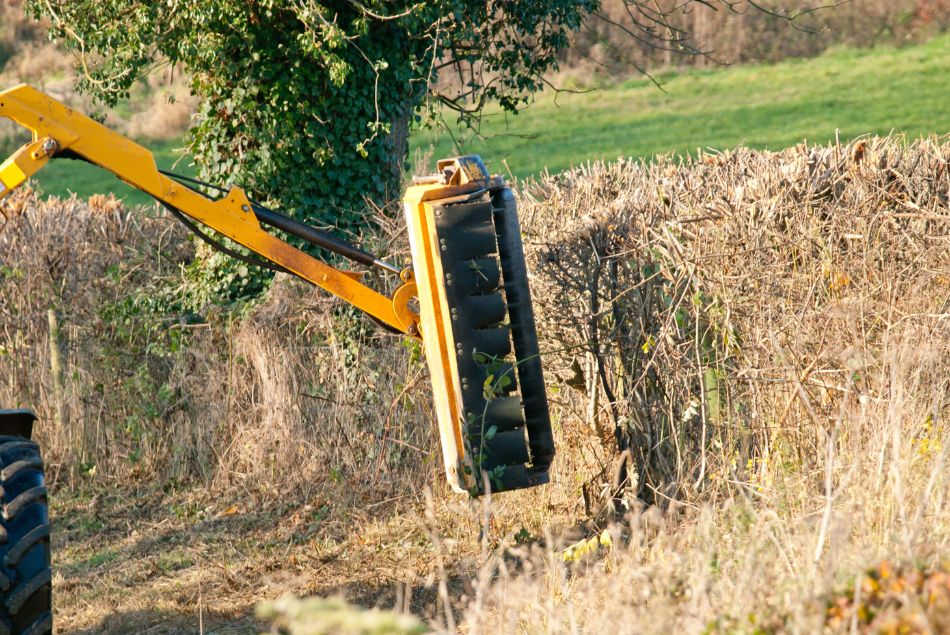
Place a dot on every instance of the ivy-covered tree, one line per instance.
(308, 102)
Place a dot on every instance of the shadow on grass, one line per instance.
(128, 544)
(169, 623)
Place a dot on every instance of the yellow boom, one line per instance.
(57, 129)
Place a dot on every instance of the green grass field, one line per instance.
(770, 106)
(63, 177)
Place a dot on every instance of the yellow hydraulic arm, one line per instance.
(58, 129)
(469, 276)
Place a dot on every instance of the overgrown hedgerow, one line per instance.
(767, 332)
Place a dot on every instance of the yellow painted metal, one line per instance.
(458, 180)
(58, 128)
(461, 182)
(402, 298)
(24, 163)
(438, 350)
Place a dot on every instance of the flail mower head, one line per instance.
(478, 329)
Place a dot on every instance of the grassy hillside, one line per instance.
(769, 106)
(855, 91)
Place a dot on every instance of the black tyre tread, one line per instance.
(6, 450)
(23, 544)
(25, 607)
(12, 470)
(18, 598)
(21, 502)
(41, 626)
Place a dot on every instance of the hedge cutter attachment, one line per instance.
(472, 286)
(468, 279)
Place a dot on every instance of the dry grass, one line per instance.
(723, 313)
(767, 331)
(770, 332)
(299, 391)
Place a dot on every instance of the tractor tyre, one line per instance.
(25, 576)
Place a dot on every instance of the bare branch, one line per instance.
(377, 16)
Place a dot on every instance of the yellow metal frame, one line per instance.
(458, 180)
(57, 128)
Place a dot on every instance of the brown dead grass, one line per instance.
(291, 447)
(158, 108)
(163, 112)
(814, 282)
(129, 561)
(723, 312)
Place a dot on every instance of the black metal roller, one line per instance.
(503, 448)
(476, 241)
(489, 303)
(475, 276)
(490, 342)
(481, 311)
(480, 381)
(523, 329)
(462, 215)
(502, 412)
